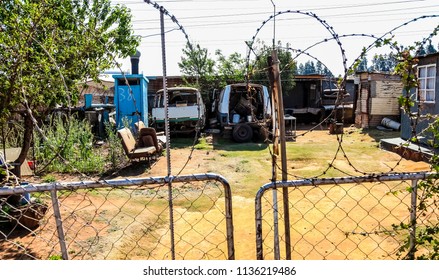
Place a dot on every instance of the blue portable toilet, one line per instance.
(131, 98)
(131, 95)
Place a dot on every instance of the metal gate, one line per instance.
(344, 218)
(119, 219)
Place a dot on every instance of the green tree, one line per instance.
(230, 69)
(208, 73)
(430, 48)
(287, 66)
(383, 63)
(362, 66)
(319, 67)
(48, 48)
(196, 63)
(300, 69)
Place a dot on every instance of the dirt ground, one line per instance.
(246, 175)
(243, 201)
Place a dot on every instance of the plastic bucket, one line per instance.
(25, 197)
(236, 118)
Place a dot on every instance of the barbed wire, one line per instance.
(341, 83)
(340, 151)
(323, 22)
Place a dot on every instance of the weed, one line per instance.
(203, 144)
(68, 146)
(243, 166)
(115, 151)
(49, 178)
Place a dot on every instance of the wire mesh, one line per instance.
(345, 218)
(128, 221)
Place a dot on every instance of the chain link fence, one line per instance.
(119, 219)
(368, 217)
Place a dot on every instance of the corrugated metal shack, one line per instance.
(377, 98)
(314, 96)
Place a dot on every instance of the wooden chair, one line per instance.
(132, 150)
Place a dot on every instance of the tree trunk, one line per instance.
(27, 139)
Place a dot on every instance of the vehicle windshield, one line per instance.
(178, 98)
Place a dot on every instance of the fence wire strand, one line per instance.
(120, 222)
(361, 219)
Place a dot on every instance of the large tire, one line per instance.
(242, 133)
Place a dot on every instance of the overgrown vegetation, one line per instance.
(49, 48)
(12, 134)
(115, 156)
(423, 240)
(68, 147)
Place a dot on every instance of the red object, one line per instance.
(31, 164)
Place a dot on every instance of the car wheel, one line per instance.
(242, 133)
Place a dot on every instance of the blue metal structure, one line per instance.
(131, 98)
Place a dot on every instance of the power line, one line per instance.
(363, 14)
(356, 15)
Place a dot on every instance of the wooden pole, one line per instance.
(283, 151)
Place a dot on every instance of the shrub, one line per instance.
(67, 146)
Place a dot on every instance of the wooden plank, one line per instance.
(385, 106)
(387, 89)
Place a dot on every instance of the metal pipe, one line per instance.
(116, 183)
(274, 24)
(276, 226)
(345, 180)
(59, 226)
(413, 220)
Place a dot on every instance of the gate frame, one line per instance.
(382, 177)
(53, 188)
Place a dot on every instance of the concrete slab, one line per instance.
(407, 149)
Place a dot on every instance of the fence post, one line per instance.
(258, 224)
(59, 227)
(413, 205)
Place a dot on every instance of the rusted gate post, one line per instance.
(279, 127)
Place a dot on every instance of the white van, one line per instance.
(245, 110)
(186, 110)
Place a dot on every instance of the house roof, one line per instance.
(428, 55)
(105, 80)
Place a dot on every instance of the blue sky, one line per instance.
(228, 24)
